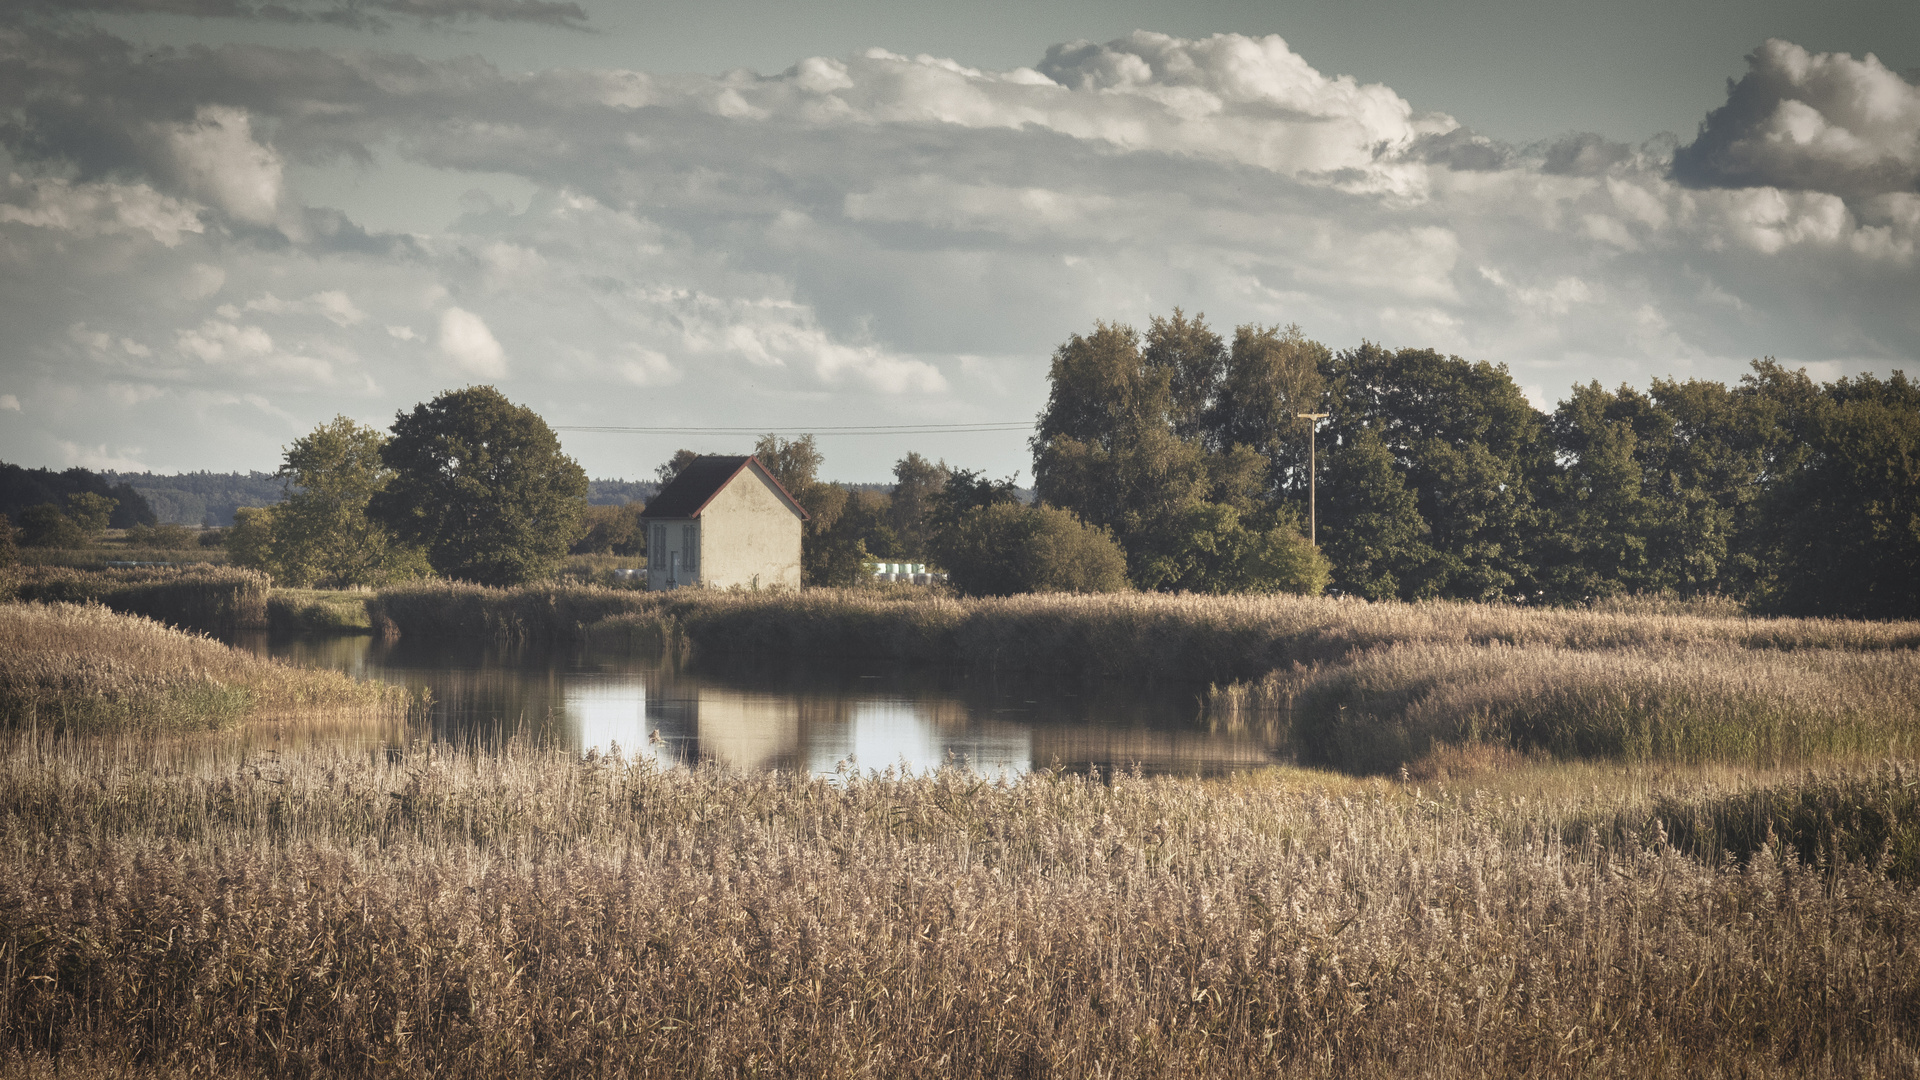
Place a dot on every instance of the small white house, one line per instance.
(723, 521)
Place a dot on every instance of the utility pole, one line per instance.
(1313, 510)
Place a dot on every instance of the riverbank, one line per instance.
(328, 913)
(1365, 688)
(86, 670)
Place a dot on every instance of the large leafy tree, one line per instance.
(480, 483)
(1847, 521)
(1470, 448)
(1270, 377)
(917, 482)
(1371, 528)
(321, 533)
(1001, 548)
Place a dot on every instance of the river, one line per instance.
(808, 715)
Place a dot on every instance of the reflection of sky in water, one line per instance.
(606, 713)
(885, 734)
(805, 717)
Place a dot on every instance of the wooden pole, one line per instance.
(1313, 477)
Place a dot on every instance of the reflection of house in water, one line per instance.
(918, 736)
(745, 731)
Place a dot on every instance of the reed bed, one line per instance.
(1216, 639)
(85, 669)
(319, 611)
(210, 599)
(194, 910)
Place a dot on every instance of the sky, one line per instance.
(224, 222)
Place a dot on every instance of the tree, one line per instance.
(1847, 533)
(671, 467)
(90, 512)
(828, 555)
(45, 526)
(1469, 447)
(611, 530)
(480, 483)
(321, 533)
(916, 482)
(1376, 538)
(250, 540)
(1003, 548)
(1210, 548)
(1600, 514)
(1270, 377)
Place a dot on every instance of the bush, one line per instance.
(45, 526)
(1008, 548)
(167, 536)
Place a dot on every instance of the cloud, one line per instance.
(216, 158)
(59, 205)
(465, 340)
(1813, 122)
(870, 235)
(333, 305)
(9, 403)
(362, 15)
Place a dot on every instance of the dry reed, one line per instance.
(210, 599)
(346, 914)
(66, 667)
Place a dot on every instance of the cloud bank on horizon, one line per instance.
(876, 238)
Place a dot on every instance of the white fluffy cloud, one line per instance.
(907, 237)
(466, 341)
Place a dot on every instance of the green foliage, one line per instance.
(1375, 536)
(481, 485)
(44, 526)
(1846, 525)
(917, 484)
(9, 554)
(250, 540)
(611, 530)
(671, 467)
(91, 512)
(320, 534)
(1208, 547)
(1006, 548)
(830, 553)
(166, 536)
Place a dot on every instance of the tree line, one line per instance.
(1436, 477)
(1178, 459)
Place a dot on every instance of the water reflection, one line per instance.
(757, 714)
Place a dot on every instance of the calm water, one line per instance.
(751, 714)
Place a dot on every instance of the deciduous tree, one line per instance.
(480, 483)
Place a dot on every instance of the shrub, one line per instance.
(45, 526)
(1008, 548)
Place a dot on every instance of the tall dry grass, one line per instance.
(342, 914)
(210, 599)
(1347, 684)
(85, 669)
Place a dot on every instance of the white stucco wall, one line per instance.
(749, 537)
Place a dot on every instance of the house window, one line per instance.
(657, 551)
(690, 543)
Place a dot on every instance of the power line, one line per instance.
(864, 429)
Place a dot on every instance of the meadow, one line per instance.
(1644, 840)
(207, 911)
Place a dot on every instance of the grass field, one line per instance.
(84, 669)
(193, 910)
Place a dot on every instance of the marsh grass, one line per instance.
(189, 908)
(84, 669)
(211, 599)
(1367, 688)
(319, 611)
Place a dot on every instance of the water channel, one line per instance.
(750, 713)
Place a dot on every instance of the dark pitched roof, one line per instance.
(694, 486)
